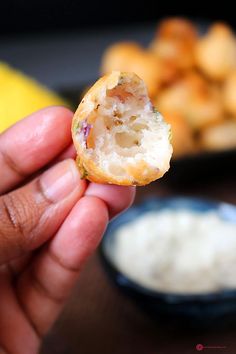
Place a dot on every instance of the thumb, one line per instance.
(30, 215)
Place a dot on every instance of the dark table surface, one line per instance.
(99, 319)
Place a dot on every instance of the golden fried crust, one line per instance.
(229, 93)
(182, 135)
(215, 53)
(195, 99)
(128, 56)
(174, 45)
(148, 67)
(220, 136)
(87, 167)
(119, 56)
(178, 29)
(90, 100)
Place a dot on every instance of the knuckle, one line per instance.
(19, 215)
(22, 218)
(14, 216)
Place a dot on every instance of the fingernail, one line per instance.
(60, 181)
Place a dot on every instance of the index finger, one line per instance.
(32, 143)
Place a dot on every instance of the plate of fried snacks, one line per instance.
(191, 79)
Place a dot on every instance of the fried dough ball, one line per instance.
(229, 93)
(176, 97)
(174, 43)
(169, 74)
(193, 98)
(205, 109)
(126, 56)
(118, 56)
(119, 137)
(216, 52)
(177, 28)
(182, 138)
(219, 137)
(148, 67)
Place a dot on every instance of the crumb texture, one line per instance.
(123, 135)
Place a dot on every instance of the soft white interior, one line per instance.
(127, 130)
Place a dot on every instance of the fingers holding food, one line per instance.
(118, 135)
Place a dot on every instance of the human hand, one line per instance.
(50, 222)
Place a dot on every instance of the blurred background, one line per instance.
(63, 45)
(41, 24)
(45, 15)
(51, 51)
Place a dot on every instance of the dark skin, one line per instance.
(45, 206)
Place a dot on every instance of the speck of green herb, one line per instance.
(155, 110)
(84, 173)
(76, 126)
(82, 170)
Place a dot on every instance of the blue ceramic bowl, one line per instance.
(197, 310)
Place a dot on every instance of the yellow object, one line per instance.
(21, 96)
